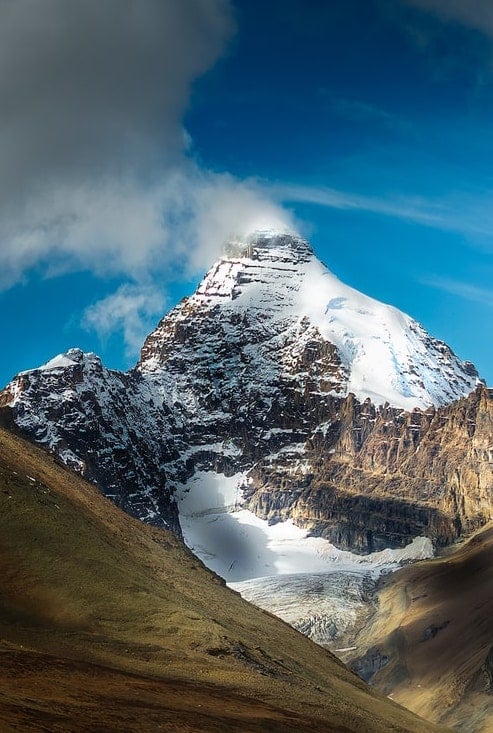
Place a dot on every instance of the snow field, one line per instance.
(306, 581)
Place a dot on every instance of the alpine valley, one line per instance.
(305, 441)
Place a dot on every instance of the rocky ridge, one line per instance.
(107, 425)
(267, 369)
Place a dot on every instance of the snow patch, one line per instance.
(62, 360)
(240, 546)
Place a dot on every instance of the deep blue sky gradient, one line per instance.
(374, 99)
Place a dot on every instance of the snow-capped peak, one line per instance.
(290, 300)
(268, 244)
(70, 358)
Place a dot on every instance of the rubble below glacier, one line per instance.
(306, 581)
(323, 606)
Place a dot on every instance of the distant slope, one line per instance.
(433, 633)
(107, 624)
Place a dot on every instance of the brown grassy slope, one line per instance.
(107, 624)
(434, 620)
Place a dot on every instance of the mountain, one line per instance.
(108, 624)
(371, 478)
(272, 413)
(330, 407)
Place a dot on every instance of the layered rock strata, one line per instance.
(373, 477)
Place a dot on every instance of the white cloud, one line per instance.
(360, 111)
(180, 224)
(132, 309)
(112, 227)
(222, 207)
(464, 213)
(411, 208)
(94, 173)
(92, 97)
(97, 88)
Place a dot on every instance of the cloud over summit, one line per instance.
(92, 148)
(95, 171)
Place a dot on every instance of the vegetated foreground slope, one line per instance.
(107, 624)
(430, 641)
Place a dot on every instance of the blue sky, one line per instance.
(367, 122)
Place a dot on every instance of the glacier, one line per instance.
(306, 581)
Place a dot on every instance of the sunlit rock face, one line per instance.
(271, 322)
(339, 410)
(372, 477)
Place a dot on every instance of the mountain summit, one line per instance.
(276, 313)
(275, 371)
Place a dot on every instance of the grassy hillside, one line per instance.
(433, 624)
(107, 624)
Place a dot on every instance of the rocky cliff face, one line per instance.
(372, 477)
(104, 424)
(327, 399)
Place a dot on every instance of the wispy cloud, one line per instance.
(360, 111)
(413, 209)
(477, 14)
(463, 213)
(132, 309)
(179, 225)
(468, 291)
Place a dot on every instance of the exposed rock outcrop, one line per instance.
(371, 476)
(104, 424)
